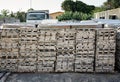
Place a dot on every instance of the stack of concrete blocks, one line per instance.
(85, 48)
(61, 49)
(105, 50)
(118, 50)
(9, 49)
(65, 50)
(28, 49)
(46, 50)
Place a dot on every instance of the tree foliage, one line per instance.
(4, 13)
(76, 10)
(11, 14)
(74, 16)
(82, 7)
(68, 5)
(19, 15)
(77, 6)
(111, 4)
(98, 9)
(31, 9)
(117, 3)
(65, 16)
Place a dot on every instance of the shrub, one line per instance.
(74, 16)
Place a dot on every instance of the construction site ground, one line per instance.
(59, 77)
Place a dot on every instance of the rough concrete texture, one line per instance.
(3, 76)
(62, 77)
(57, 50)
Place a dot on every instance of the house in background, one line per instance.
(109, 14)
(55, 14)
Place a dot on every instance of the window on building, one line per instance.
(102, 17)
(112, 17)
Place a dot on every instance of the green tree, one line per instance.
(90, 9)
(12, 14)
(116, 3)
(68, 5)
(111, 4)
(74, 16)
(21, 16)
(77, 6)
(4, 13)
(98, 9)
(66, 16)
(31, 9)
(80, 6)
(76, 10)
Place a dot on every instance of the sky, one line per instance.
(51, 5)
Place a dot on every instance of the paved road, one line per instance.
(62, 77)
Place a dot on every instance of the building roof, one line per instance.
(56, 12)
(108, 10)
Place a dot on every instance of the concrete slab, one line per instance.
(62, 77)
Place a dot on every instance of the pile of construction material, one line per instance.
(65, 50)
(9, 49)
(118, 50)
(46, 50)
(27, 50)
(85, 48)
(71, 49)
(105, 50)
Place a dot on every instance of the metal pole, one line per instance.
(30, 3)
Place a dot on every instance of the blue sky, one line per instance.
(51, 5)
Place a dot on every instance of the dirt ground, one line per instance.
(62, 77)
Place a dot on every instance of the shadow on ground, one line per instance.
(62, 77)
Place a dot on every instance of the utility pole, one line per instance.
(30, 3)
